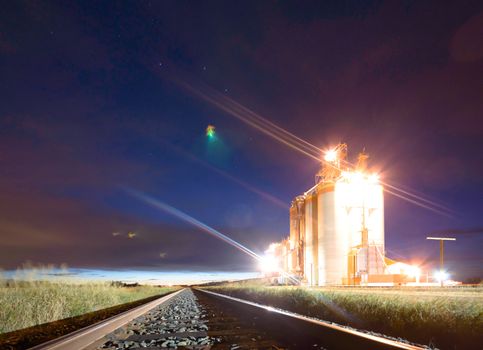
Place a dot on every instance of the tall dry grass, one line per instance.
(28, 303)
(430, 315)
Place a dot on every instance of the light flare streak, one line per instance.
(192, 221)
(445, 208)
(411, 197)
(224, 103)
(285, 137)
(198, 224)
(422, 205)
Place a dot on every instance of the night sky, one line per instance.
(91, 105)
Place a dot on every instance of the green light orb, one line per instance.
(210, 132)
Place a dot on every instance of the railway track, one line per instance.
(198, 319)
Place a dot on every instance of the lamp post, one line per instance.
(441, 253)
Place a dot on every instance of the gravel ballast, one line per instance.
(179, 323)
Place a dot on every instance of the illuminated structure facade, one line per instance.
(337, 226)
(337, 231)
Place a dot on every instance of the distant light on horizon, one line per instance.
(441, 276)
(269, 263)
(127, 276)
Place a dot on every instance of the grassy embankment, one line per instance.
(445, 317)
(29, 303)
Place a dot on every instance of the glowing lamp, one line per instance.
(358, 177)
(413, 271)
(374, 178)
(330, 155)
(268, 263)
(441, 276)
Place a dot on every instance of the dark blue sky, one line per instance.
(89, 105)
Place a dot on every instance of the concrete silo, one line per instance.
(337, 227)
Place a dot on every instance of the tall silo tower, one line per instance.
(344, 223)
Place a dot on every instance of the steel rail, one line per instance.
(344, 330)
(86, 336)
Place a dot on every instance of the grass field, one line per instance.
(28, 303)
(445, 317)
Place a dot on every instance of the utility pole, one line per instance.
(441, 253)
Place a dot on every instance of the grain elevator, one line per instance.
(337, 226)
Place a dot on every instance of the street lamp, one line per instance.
(441, 275)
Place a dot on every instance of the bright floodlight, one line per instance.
(330, 155)
(357, 177)
(441, 276)
(414, 271)
(374, 178)
(268, 263)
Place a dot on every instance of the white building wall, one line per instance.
(340, 215)
(309, 265)
(348, 206)
(333, 223)
(375, 215)
(332, 241)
